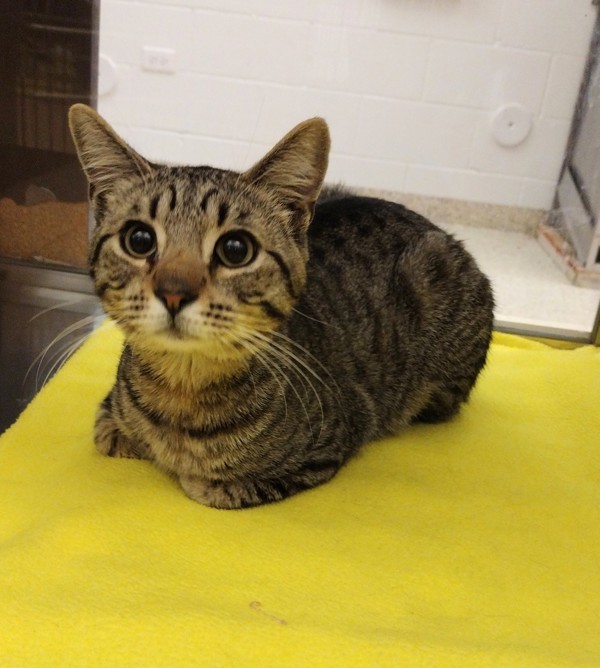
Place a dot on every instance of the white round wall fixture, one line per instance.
(511, 124)
(107, 75)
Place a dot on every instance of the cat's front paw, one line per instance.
(110, 441)
(232, 494)
(120, 446)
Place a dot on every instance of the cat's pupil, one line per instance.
(235, 250)
(141, 241)
(138, 240)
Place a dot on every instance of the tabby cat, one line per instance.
(270, 332)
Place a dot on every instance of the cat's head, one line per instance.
(196, 258)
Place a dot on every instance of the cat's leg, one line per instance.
(245, 493)
(231, 494)
(110, 440)
(443, 405)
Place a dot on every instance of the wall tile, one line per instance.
(563, 86)
(367, 61)
(188, 4)
(554, 26)
(125, 29)
(119, 49)
(284, 107)
(116, 14)
(537, 194)
(188, 103)
(414, 132)
(157, 145)
(156, 22)
(468, 20)
(462, 184)
(485, 76)
(307, 10)
(185, 149)
(366, 172)
(118, 107)
(249, 47)
(540, 156)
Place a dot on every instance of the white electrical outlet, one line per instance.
(158, 59)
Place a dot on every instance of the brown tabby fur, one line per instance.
(253, 382)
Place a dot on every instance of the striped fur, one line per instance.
(251, 383)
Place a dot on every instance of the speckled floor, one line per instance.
(532, 294)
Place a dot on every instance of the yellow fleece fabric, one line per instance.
(470, 543)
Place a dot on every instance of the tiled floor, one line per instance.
(531, 292)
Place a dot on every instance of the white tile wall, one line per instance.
(368, 172)
(369, 62)
(553, 26)
(282, 108)
(485, 77)
(536, 193)
(431, 134)
(408, 86)
(538, 157)
(252, 47)
(463, 184)
(464, 20)
(562, 86)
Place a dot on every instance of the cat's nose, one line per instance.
(174, 301)
(178, 280)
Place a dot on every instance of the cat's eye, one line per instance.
(138, 239)
(236, 249)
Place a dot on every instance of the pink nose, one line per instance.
(174, 301)
(178, 280)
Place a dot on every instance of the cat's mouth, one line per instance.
(174, 335)
(173, 332)
(175, 339)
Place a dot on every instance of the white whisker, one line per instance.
(308, 317)
(275, 354)
(39, 359)
(296, 365)
(55, 307)
(63, 358)
(306, 352)
(264, 360)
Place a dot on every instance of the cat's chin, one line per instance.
(179, 343)
(176, 343)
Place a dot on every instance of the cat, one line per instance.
(270, 332)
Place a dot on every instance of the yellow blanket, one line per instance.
(472, 543)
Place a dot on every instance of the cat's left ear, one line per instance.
(104, 156)
(295, 167)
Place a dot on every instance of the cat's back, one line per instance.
(383, 252)
(395, 304)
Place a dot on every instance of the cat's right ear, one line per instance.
(296, 166)
(104, 156)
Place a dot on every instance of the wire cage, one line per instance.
(51, 63)
(54, 69)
